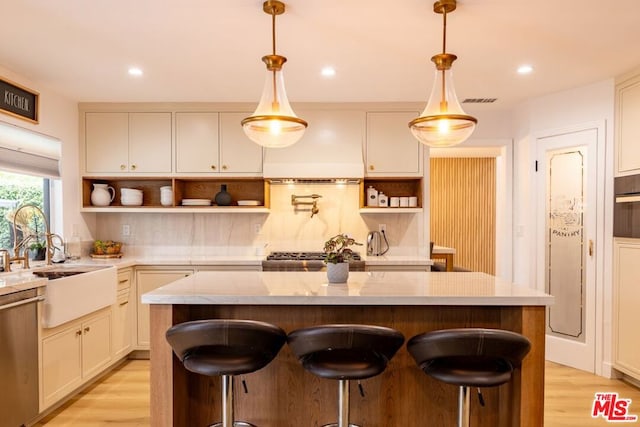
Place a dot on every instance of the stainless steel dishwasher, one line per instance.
(19, 357)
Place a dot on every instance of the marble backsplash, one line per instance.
(284, 228)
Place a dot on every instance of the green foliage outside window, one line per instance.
(16, 190)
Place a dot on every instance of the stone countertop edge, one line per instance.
(21, 281)
(362, 288)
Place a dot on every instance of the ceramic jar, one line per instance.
(166, 195)
(102, 195)
(223, 198)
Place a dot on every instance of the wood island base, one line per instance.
(284, 395)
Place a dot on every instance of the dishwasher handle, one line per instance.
(22, 302)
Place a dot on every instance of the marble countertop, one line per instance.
(128, 261)
(363, 288)
(20, 281)
(24, 279)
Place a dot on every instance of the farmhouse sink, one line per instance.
(76, 290)
(52, 275)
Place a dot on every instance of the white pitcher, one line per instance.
(102, 195)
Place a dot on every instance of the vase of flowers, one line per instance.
(338, 255)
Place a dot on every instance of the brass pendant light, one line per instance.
(274, 124)
(443, 123)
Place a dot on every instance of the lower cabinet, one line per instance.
(74, 352)
(123, 314)
(626, 271)
(146, 281)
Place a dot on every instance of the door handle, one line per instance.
(590, 247)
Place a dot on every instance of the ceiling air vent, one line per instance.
(479, 100)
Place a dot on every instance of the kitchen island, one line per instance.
(284, 394)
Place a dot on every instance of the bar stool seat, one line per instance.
(226, 347)
(344, 353)
(469, 357)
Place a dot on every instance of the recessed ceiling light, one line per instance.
(525, 69)
(328, 71)
(135, 71)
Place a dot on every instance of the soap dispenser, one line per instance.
(73, 244)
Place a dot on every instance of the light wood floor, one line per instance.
(122, 398)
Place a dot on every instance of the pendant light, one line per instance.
(443, 123)
(274, 124)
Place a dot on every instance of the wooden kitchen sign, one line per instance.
(18, 101)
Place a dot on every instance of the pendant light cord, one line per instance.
(273, 30)
(444, 31)
(443, 101)
(275, 106)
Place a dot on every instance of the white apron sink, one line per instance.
(76, 290)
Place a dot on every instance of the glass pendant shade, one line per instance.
(274, 124)
(443, 123)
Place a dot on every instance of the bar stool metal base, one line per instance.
(343, 406)
(464, 407)
(227, 406)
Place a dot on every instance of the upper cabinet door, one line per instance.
(391, 149)
(128, 142)
(106, 142)
(197, 143)
(150, 142)
(238, 154)
(627, 119)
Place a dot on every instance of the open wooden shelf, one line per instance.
(392, 187)
(183, 188)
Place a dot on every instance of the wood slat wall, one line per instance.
(462, 207)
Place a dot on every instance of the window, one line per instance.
(17, 190)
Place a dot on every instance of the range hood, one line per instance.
(330, 149)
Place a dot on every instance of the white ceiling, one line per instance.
(210, 50)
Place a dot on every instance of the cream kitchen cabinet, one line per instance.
(148, 279)
(124, 143)
(627, 125)
(73, 353)
(626, 271)
(215, 143)
(391, 149)
(123, 315)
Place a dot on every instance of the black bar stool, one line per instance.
(222, 347)
(469, 357)
(345, 352)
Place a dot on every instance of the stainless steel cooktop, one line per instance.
(304, 261)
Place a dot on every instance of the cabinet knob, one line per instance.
(123, 167)
(213, 167)
(371, 167)
(133, 167)
(78, 333)
(224, 167)
(87, 329)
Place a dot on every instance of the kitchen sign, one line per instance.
(18, 101)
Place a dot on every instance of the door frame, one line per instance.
(502, 150)
(600, 243)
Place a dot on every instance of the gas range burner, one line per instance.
(301, 256)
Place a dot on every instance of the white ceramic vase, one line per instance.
(102, 195)
(338, 273)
